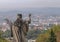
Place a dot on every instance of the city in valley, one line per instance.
(29, 20)
(38, 26)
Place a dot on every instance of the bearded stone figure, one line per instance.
(20, 28)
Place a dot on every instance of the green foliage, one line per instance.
(33, 34)
(50, 35)
(1, 34)
(1, 38)
(56, 28)
(43, 37)
(6, 34)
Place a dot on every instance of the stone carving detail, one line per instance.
(20, 28)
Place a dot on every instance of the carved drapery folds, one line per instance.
(20, 28)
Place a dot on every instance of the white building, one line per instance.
(31, 40)
(5, 27)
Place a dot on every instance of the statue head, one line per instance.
(19, 15)
(29, 15)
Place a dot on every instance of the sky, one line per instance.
(18, 4)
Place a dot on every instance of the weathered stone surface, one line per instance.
(20, 28)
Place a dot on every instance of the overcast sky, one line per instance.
(17, 4)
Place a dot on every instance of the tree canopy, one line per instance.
(48, 34)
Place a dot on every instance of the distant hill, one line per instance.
(44, 11)
(34, 11)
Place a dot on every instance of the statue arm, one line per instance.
(28, 20)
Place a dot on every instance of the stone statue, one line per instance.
(20, 28)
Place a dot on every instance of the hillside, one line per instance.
(44, 37)
(2, 39)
